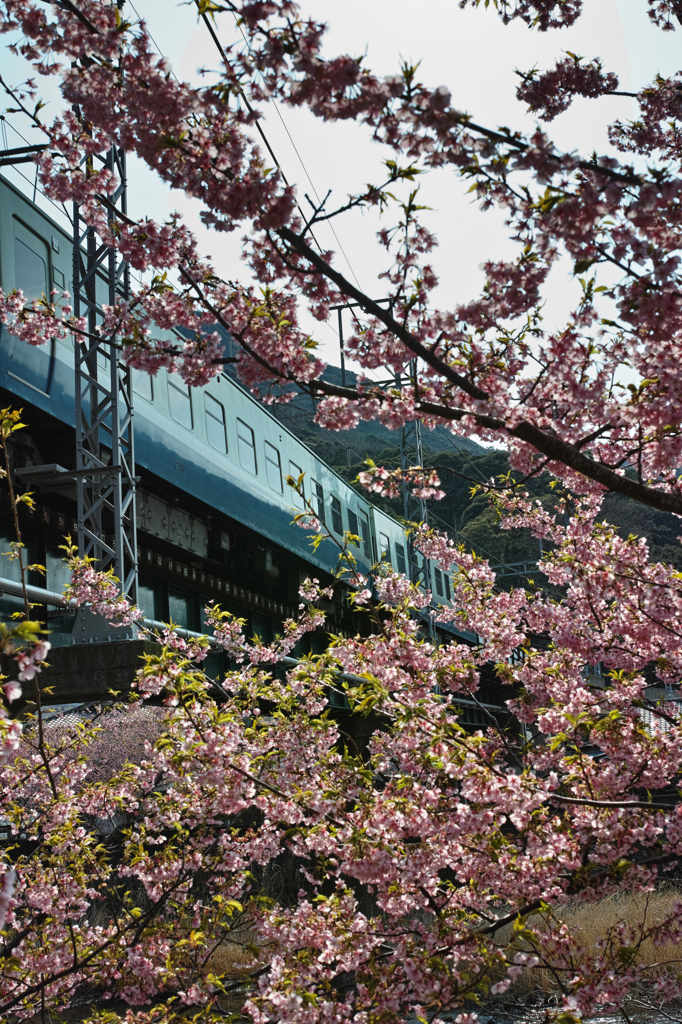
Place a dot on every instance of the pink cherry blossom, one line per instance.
(374, 869)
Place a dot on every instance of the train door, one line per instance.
(30, 364)
(374, 533)
(367, 541)
(384, 546)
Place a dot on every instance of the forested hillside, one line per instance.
(368, 439)
(462, 463)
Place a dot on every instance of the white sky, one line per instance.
(474, 55)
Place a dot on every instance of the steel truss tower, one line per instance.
(414, 509)
(105, 453)
(411, 454)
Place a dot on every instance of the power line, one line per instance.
(207, 21)
(58, 206)
(258, 127)
(305, 171)
(247, 104)
(264, 138)
(460, 451)
(159, 50)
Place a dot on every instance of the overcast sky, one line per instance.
(475, 56)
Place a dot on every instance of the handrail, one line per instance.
(39, 595)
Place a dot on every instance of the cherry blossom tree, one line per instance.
(431, 868)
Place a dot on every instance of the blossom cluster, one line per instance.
(513, 823)
(376, 872)
(98, 591)
(424, 483)
(472, 377)
(552, 92)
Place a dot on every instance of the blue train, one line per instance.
(214, 510)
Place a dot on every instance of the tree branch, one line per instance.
(548, 444)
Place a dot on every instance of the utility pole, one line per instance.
(414, 509)
(105, 452)
(411, 454)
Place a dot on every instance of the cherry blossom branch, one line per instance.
(68, 5)
(381, 313)
(550, 445)
(642, 805)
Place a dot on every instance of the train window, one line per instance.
(273, 467)
(298, 499)
(143, 385)
(247, 447)
(318, 499)
(365, 535)
(337, 521)
(446, 581)
(400, 558)
(150, 597)
(438, 577)
(29, 364)
(180, 401)
(353, 523)
(385, 546)
(215, 424)
(30, 271)
(181, 608)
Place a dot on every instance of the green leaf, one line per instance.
(582, 266)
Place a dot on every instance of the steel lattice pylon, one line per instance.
(414, 508)
(411, 454)
(105, 453)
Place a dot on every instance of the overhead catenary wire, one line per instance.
(306, 172)
(211, 30)
(158, 48)
(247, 104)
(261, 133)
(58, 206)
(267, 144)
(214, 36)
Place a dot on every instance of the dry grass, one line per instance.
(595, 930)
(237, 955)
(639, 911)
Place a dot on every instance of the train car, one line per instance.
(214, 510)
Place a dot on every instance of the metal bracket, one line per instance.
(94, 629)
(20, 155)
